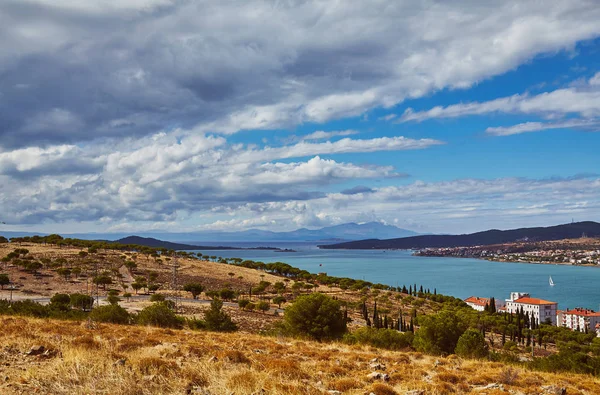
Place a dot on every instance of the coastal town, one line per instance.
(583, 251)
(541, 311)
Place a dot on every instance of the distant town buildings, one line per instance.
(543, 311)
(579, 319)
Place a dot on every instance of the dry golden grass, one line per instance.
(138, 360)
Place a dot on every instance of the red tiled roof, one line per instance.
(528, 300)
(476, 300)
(583, 312)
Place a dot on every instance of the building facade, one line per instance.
(477, 303)
(579, 319)
(543, 311)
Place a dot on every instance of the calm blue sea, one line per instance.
(575, 286)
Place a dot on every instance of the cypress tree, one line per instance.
(410, 289)
(376, 317)
(435, 291)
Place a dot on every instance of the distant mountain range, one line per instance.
(494, 236)
(344, 232)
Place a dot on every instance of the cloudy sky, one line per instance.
(181, 115)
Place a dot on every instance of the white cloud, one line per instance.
(322, 135)
(583, 101)
(539, 126)
(294, 62)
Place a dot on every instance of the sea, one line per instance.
(575, 286)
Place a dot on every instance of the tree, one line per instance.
(217, 320)
(243, 303)
(227, 294)
(263, 306)
(4, 280)
(471, 344)
(136, 287)
(194, 288)
(317, 316)
(439, 333)
(278, 300)
(103, 280)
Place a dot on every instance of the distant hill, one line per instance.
(155, 243)
(343, 232)
(494, 236)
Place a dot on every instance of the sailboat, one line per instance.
(551, 282)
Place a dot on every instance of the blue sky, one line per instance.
(189, 116)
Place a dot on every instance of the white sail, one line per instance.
(551, 282)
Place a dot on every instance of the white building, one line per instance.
(579, 319)
(542, 310)
(477, 303)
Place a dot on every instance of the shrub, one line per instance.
(195, 324)
(383, 338)
(4, 280)
(113, 299)
(317, 316)
(61, 299)
(217, 320)
(157, 298)
(81, 301)
(243, 303)
(113, 314)
(159, 314)
(471, 344)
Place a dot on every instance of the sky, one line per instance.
(178, 115)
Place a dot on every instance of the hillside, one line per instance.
(155, 243)
(489, 237)
(119, 360)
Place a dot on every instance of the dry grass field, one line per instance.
(111, 359)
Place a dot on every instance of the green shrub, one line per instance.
(317, 316)
(61, 299)
(157, 298)
(113, 314)
(390, 339)
(195, 324)
(81, 301)
(243, 303)
(217, 320)
(159, 314)
(471, 344)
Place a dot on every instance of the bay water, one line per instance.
(575, 286)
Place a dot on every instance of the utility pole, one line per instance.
(175, 280)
